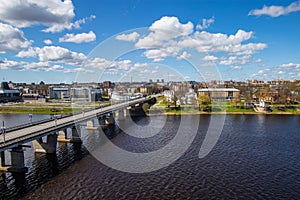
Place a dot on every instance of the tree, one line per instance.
(146, 107)
(204, 101)
(235, 101)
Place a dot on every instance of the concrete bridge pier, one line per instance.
(110, 119)
(63, 136)
(76, 134)
(121, 115)
(90, 125)
(102, 122)
(46, 147)
(17, 160)
(2, 158)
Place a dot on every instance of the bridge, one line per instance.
(56, 131)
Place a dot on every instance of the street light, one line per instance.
(30, 117)
(3, 131)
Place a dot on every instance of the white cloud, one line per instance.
(78, 38)
(56, 15)
(206, 42)
(205, 23)
(38, 66)
(131, 37)
(286, 71)
(25, 13)
(276, 11)
(170, 38)
(290, 65)
(185, 55)
(231, 60)
(236, 67)
(12, 39)
(11, 64)
(56, 54)
(164, 29)
(210, 58)
(48, 42)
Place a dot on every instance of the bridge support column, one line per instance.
(62, 136)
(2, 157)
(90, 125)
(76, 134)
(110, 119)
(46, 147)
(101, 121)
(17, 160)
(126, 114)
(121, 115)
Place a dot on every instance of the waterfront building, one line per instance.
(169, 95)
(190, 97)
(9, 95)
(220, 93)
(88, 94)
(59, 92)
(119, 96)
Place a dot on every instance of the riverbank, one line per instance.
(68, 109)
(222, 113)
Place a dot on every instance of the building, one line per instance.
(219, 93)
(88, 94)
(191, 97)
(119, 96)
(59, 92)
(169, 95)
(9, 95)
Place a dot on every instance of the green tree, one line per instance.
(146, 107)
(204, 101)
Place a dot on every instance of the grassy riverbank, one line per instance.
(216, 108)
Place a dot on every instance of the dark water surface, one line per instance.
(256, 157)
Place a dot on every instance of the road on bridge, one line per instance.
(30, 132)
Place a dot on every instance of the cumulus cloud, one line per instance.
(60, 55)
(131, 37)
(236, 67)
(206, 42)
(12, 39)
(78, 38)
(287, 71)
(210, 58)
(56, 15)
(48, 42)
(169, 37)
(276, 11)
(205, 23)
(164, 29)
(38, 66)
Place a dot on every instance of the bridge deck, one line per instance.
(28, 133)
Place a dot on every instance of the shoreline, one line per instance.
(223, 113)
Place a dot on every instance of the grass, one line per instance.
(41, 110)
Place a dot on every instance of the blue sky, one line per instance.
(67, 41)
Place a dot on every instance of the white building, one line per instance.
(191, 97)
(88, 94)
(59, 92)
(169, 95)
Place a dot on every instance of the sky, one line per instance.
(136, 40)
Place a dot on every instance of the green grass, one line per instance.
(37, 110)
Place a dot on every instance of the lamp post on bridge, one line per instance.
(3, 131)
(30, 117)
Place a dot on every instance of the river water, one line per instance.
(256, 157)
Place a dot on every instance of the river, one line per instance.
(256, 157)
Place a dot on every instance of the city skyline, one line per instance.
(93, 41)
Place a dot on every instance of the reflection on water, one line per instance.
(255, 158)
